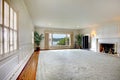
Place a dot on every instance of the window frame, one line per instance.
(1, 25)
(1, 41)
(1, 11)
(51, 41)
(10, 29)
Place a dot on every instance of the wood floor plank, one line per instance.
(29, 71)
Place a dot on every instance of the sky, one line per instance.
(59, 35)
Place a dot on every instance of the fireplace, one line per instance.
(108, 45)
(107, 48)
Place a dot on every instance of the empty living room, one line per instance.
(59, 39)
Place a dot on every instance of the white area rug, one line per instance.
(77, 65)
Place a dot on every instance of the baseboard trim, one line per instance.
(19, 68)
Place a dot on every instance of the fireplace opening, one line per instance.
(107, 48)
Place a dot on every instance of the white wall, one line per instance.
(43, 30)
(11, 66)
(109, 31)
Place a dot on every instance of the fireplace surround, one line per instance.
(107, 45)
(107, 48)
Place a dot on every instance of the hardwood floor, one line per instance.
(29, 71)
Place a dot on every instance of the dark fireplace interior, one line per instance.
(107, 48)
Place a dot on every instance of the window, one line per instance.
(15, 40)
(13, 30)
(59, 39)
(8, 29)
(0, 11)
(6, 40)
(15, 21)
(1, 49)
(1, 46)
(11, 18)
(6, 14)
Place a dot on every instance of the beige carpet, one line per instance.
(77, 64)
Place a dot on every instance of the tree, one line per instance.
(63, 41)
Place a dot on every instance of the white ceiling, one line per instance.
(72, 13)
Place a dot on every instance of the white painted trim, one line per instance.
(19, 68)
